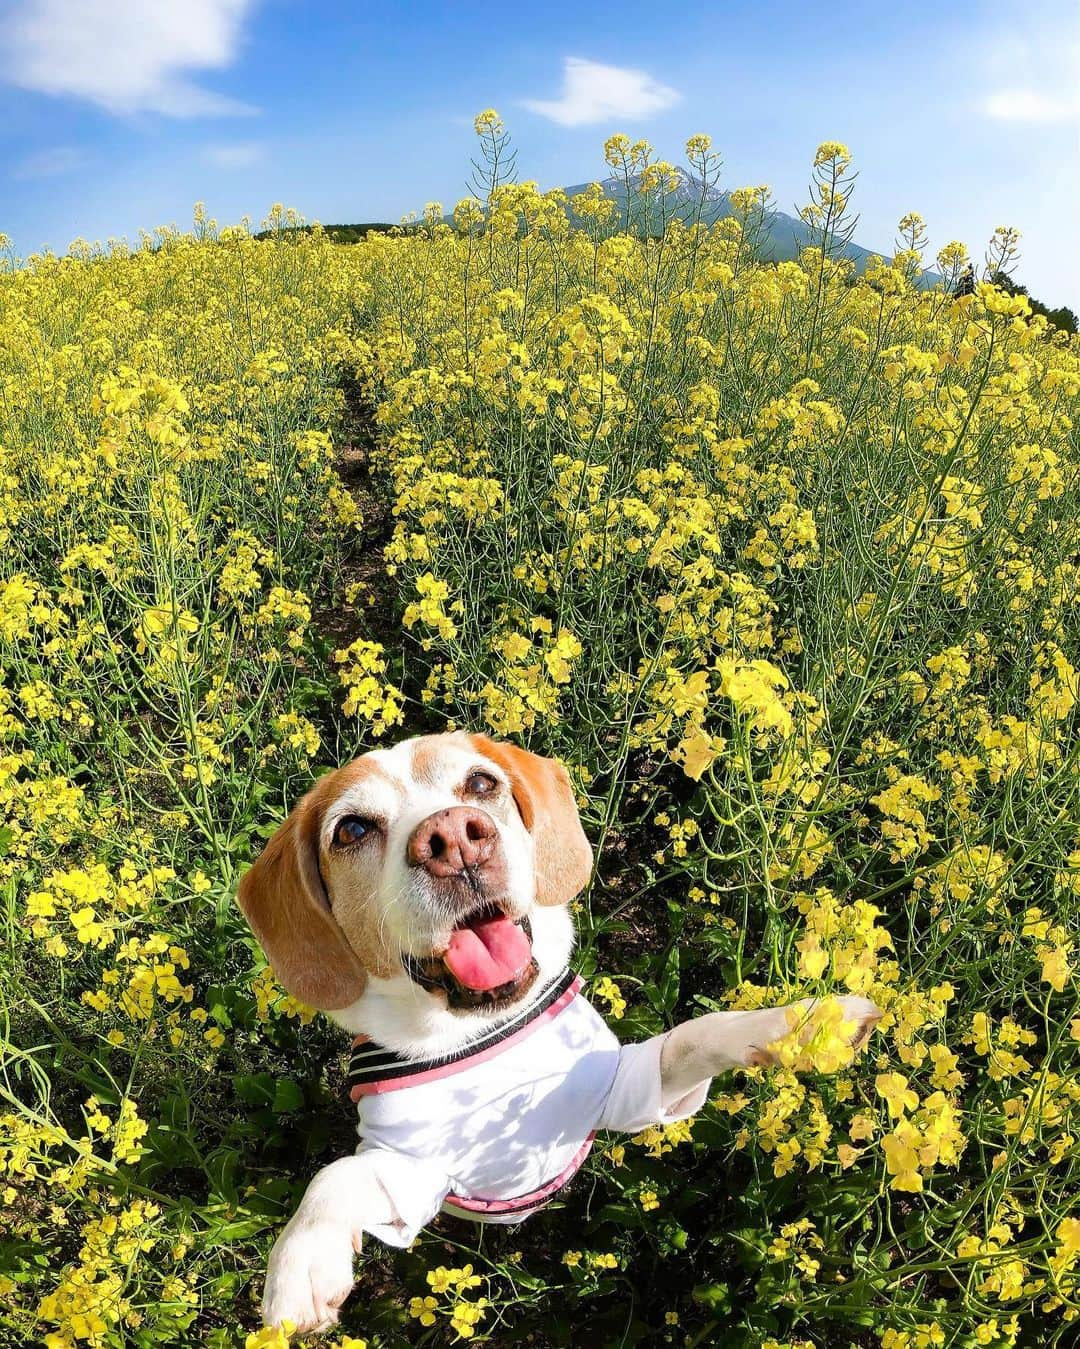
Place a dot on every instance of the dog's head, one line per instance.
(430, 872)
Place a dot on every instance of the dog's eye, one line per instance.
(481, 784)
(351, 829)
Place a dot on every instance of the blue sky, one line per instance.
(120, 114)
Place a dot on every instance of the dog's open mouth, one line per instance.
(488, 961)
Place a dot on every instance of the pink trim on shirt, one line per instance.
(522, 1204)
(459, 1065)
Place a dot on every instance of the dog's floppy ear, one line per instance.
(545, 801)
(285, 902)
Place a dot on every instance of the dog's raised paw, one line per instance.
(309, 1276)
(860, 1011)
(864, 1013)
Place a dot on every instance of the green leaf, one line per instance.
(288, 1096)
(638, 1023)
(667, 986)
(715, 1296)
(255, 1088)
(221, 1166)
(237, 1229)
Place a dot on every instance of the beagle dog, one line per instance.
(419, 897)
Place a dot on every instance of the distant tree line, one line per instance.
(1063, 317)
(343, 234)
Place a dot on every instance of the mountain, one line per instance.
(782, 236)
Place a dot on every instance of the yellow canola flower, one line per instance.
(899, 1097)
(609, 990)
(901, 1149)
(269, 1337)
(830, 152)
(697, 751)
(752, 688)
(423, 1309)
(488, 123)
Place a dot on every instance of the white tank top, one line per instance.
(493, 1132)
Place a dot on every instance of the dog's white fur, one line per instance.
(310, 1271)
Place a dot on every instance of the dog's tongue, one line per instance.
(487, 953)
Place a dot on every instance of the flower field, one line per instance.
(781, 561)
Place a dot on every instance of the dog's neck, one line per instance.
(399, 1014)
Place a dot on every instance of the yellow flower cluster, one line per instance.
(609, 991)
(271, 1000)
(463, 1314)
(590, 1260)
(369, 695)
(281, 1337)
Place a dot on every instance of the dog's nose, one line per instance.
(450, 840)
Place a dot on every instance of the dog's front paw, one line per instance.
(864, 1013)
(798, 1021)
(309, 1276)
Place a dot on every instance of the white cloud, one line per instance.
(125, 55)
(241, 155)
(1032, 105)
(1033, 66)
(48, 163)
(593, 92)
